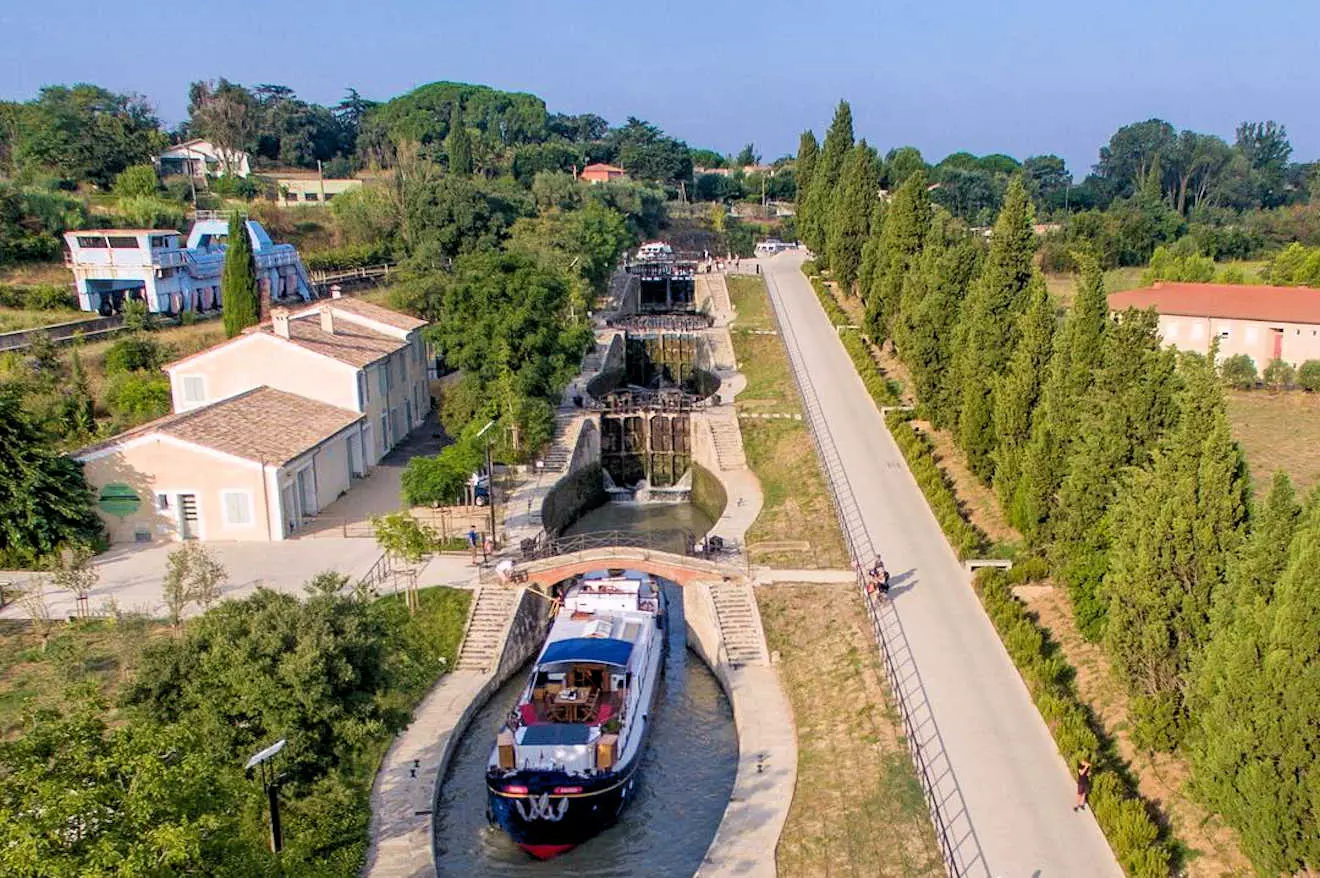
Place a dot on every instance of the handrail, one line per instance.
(891, 638)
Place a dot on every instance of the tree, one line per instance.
(73, 571)
(1256, 700)
(902, 163)
(1017, 394)
(46, 503)
(78, 409)
(227, 114)
(457, 145)
(907, 219)
(239, 295)
(1126, 408)
(1176, 525)
(138, 180)
(83, 133)
(191, 576)
(1308, 376)
(859, 183)
(808, 151)
(1049, 180)
(988, 331)
(1125, 162)
(747, 156)
(1075, 356)
(813, 213)
(1266, 148)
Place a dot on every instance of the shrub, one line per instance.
(935, 485)
(1238, 371)
(139, 180)
(1279, 375)
(347, 256)
(433, 481)
(134, 397)
(39, 297)
(810, 268)
(1308, 376)
(134, 354)
(233, 186)
(149, 212)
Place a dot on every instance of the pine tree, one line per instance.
(907, 220)
(78, 411)
(1017, 394)
(238, 282)
(1125, 411)
(850, 215)
(803, 167)
(1256, 704)
(457, 144)
(1174, 530)
(1075, 356)
(988, 329)
(824, 177)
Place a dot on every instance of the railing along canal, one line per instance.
(953, 828)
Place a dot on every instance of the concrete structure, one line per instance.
(111, 266)
(311, 190)
(601, 173)
(1006, 791)
(1265, 323)
(342, 352)
(201, 158)
(251, 466)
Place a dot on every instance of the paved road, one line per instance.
(1006, 779)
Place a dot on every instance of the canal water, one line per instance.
(687, 775)
(654, 518)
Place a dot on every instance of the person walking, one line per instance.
(1083, 785)
(474, 542)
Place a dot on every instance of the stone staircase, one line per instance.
(728, 439)
(559, 455)
(719, 296)
(493, 608)
(740, 623)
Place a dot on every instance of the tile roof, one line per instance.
(265, 425)
(1225, 301)
(378, 313)
(350, 343)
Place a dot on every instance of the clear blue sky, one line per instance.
(1014, 76)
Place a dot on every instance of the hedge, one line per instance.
(917, 450)
(1122, 814)
(885, 391)
(831, 305)
(348, 256)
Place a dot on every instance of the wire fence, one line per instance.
(959, 847)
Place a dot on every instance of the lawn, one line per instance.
(797, 526)
(1278, 431)
(857, 808)
(14, 319)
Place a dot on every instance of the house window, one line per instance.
(383, 378)
(329, 195)
(237, 506)
(194, 388)
(162, 502)
(362, 390)
(309, 196)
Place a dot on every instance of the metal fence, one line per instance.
(953, 828)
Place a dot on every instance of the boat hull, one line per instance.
(545, 823)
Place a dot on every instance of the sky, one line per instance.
(1023, 77)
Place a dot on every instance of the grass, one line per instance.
(181, 341)
(1128, 277)
(857, 808)
(797, 507)
(14, 319)
(1278, 431)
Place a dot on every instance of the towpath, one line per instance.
(1007, 794)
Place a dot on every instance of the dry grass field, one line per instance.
(1278, 431)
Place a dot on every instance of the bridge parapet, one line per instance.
(682, 569)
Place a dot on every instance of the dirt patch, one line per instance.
(857, 809)
(1278, 431)
(979, 502)
(1212, 847)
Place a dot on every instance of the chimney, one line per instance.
(327, 320)
(279, 321)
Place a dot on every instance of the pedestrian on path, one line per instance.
(473, 542)
(1083, 785)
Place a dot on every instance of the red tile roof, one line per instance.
(1225, 301)
(601, 166)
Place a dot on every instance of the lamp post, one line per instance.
(270, 784)
(490, 476)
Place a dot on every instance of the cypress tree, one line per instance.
(989, 326)
(1018, 392)
(1264, 555)
(457, 144)
(907, 220)
(868, 271)
(77, 409)
(850, 215)
(1257, 709)
(1174, 529)
(238, 282)
(1075, 356)
(1128, 406)
(824, 178)
(803, 168)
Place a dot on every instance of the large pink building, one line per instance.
(1265, 323)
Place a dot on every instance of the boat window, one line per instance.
(92, 242)
(123, 242)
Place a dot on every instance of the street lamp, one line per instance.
(490, 475)
(270, 784)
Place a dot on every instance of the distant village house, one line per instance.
(601, 173)
(201, 158)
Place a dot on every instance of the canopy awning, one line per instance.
(601, 650)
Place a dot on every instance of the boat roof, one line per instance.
(549, 734)
(603, 650)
